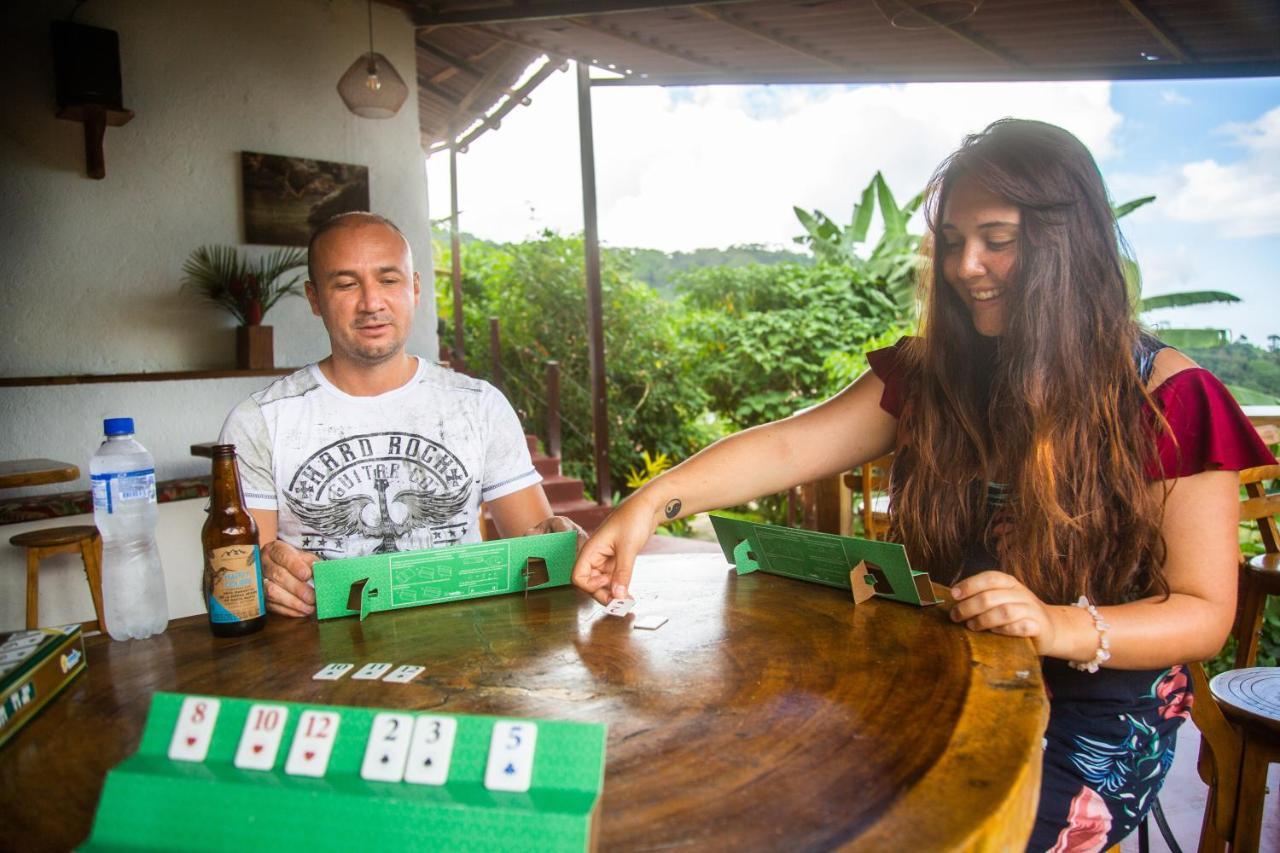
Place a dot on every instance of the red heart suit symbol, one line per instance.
(308, 755)
(257, 747)
(191, 741)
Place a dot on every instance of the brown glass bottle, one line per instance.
(233, 589)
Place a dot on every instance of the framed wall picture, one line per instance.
(286, 197)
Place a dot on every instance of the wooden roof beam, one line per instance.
(513, 100)
(970, 38)
(541, 10)
(1175, 48)
(427, 85)
(738, 22)
(449, 59)
(647, 43)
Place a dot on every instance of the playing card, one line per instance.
(431, 751)
(620, 606)
(510, 766)
(312, 743)
(194, 731)
(260, 740)
(649, 622)
(405, 674)
(371, 671)
(333, 671)
(388, 747)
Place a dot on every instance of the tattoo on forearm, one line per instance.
(673, 507)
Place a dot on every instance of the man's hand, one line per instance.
(558, 524)
(285, 572)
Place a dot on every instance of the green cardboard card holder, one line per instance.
(364, 585)
(152, 802)
(863, 566)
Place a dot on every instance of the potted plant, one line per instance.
(247, 289)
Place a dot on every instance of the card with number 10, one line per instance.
(260, 740)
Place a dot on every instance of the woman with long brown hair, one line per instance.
(1070, 477)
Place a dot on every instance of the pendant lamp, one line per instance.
(372, 88)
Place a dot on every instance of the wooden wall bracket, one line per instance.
(96, 120)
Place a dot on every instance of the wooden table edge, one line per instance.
(1004, 682)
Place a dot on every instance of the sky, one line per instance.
(685, 168)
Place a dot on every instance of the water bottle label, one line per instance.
(130, 486)
(235, 583)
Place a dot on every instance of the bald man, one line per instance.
(373, 450)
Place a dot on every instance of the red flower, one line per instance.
(1088, 822)
(1175, 698)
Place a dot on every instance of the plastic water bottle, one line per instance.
(123, 475)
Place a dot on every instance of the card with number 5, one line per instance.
(312, 743)
(510, 766)
(194, 731)
(260, 740)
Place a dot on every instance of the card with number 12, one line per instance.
(312, 743)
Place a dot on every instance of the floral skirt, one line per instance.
(1107, 749)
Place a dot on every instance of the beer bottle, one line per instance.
(233, 588)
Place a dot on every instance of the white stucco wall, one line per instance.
(90, 276)
(91, 268)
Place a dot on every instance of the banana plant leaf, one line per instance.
(1185, 298)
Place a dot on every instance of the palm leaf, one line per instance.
(1185, 298)
(1123, 210)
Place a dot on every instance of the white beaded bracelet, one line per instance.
(1104, 645)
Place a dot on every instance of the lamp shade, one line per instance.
(372, 88)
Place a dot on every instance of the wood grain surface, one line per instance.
(767, 714)
(36, 472)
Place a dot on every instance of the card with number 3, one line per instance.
(312, 743)
(194, 731)
(510, 766)
(260, 740)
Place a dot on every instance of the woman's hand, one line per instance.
(998, 602)
(603, 567)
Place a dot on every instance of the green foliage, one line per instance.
(763, 335)
(659, 269)
(1186, 298)
(246, 288)
(892, 265)
(536, 288)
(1248, 370)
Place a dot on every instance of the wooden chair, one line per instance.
(871, 483)
(82, 538)
(1260, 576)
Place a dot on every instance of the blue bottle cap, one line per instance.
(117, 426)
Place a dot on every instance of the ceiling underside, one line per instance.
(474, 56)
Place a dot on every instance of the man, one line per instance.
(373, 450)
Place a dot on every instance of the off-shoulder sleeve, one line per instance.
(1207, 429)
(887, 364)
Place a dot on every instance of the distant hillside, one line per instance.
(657, 268)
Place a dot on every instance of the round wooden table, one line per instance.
(16, 473)
(767, 714)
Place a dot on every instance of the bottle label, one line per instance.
(237, 593)
(129, 486)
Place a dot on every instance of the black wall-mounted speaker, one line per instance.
(86, 63)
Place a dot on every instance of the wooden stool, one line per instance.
(1250, 698)
(62, 540)
(1260, 576)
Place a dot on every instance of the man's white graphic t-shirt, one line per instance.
(402, 471)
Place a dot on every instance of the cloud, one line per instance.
(1243, 197)
(714, 166)
(1169, 96)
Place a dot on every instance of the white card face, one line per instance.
(372, 671)
(388, 748)
(194, 731)
(620, 606)
(332, 671)
(650, 622)
(405, 674)
(431, 751)
(312, 743)
(260, 740)
(510, 766)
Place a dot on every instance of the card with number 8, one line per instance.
(194, 731)
(510, 766)
(388, 747)
(432, 750)
(260, 740)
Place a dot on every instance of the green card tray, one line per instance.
(822, 558)
(364, 585)
(152, 802)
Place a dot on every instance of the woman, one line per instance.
(1072, 479)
